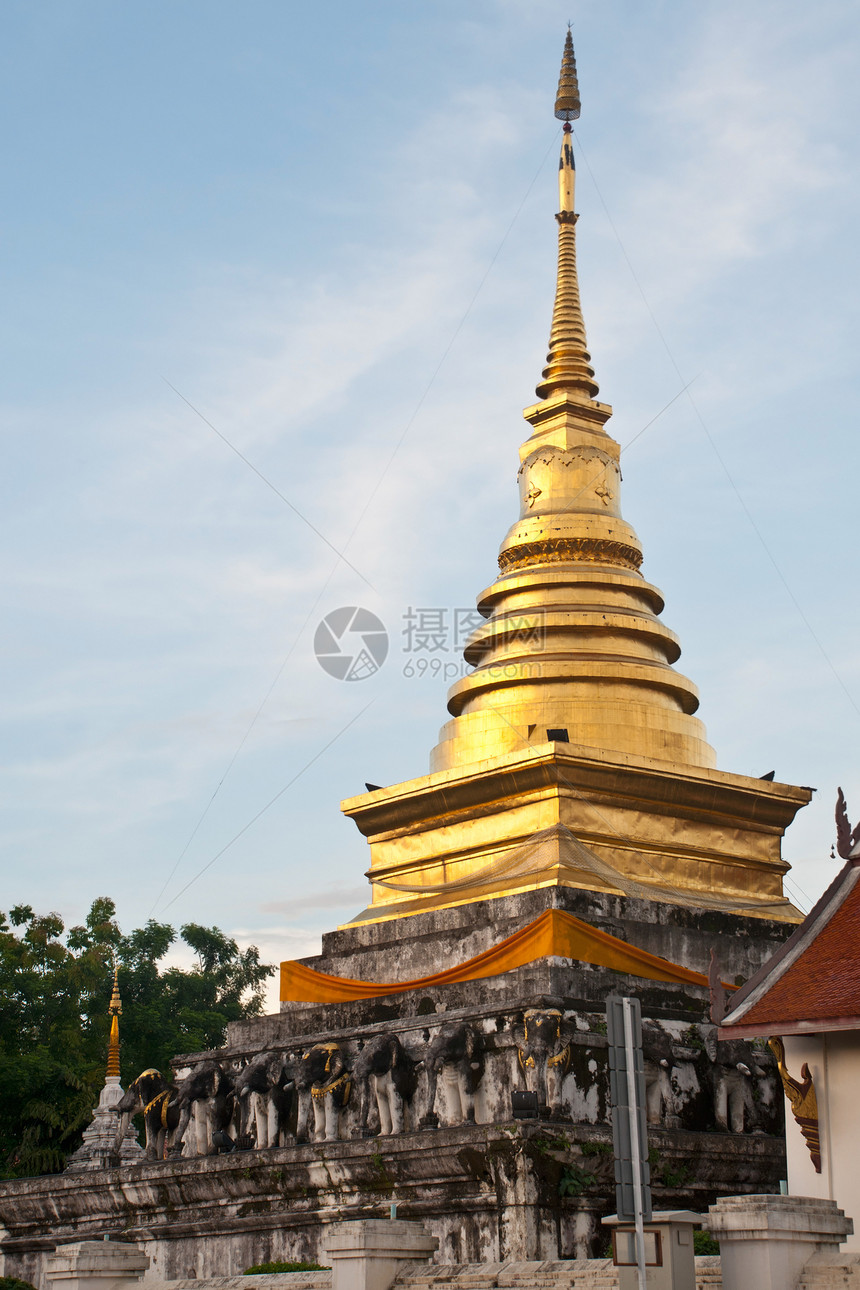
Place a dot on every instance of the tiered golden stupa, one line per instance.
(573, 756)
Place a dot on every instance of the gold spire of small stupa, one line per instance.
(114, 1012)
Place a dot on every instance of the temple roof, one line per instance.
(812, 983)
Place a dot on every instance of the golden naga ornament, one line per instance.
(804, 1103)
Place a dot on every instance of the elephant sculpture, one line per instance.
(461, 1048)
(207, 1096)
(543, 1055)
(658, 1058)
(151, 1095)
(263, 1093)
(384, 1070)
(731, 1077)
(323, 1082)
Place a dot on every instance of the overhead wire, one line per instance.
(703, 424)
(262, 811)
(242, 742)
(267, 481)
(341, 556)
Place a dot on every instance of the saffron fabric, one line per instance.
(554, 934)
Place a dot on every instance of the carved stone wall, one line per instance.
(407, 1099)
(491, 1194)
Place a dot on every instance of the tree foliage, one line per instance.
(55, 986)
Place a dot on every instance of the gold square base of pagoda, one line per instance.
(564, 815)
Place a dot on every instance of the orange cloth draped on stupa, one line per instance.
(555, 934)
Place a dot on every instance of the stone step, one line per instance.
(566, 1274)
(832, 1272)
(584, 1279)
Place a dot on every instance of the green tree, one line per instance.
(55, 987)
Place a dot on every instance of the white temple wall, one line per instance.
(834, 1063)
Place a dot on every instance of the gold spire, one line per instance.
(568, 363)
(573, 641)
(114, 1012)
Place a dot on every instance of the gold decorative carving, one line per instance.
(567, 101)
(804, 1103)
(162, 1100)
(566, 217)
(344, 1081)
(561, 1059)
(569, 457)
(558, 550)
(533, 494)
(544, 1017)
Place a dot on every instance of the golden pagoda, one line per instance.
(573, 756)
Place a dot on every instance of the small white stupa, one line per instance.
(98, 1149)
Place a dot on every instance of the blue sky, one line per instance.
(330, 229)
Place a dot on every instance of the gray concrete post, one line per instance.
(670, 1261)
(96, 1265)
(368, 1254)
(766, 1240)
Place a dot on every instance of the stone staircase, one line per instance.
(254, 1281)
(577, 1274)
(832, 1272)
(566, 1274)
(562, 1274)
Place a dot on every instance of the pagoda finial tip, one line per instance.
(115, 1005)
(567, 101)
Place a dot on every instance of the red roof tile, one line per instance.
(823, 983)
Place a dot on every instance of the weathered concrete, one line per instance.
(492, 1189)
(96, 1265)
(575, 1274)
(578, 1274)
(765, 1241)
(700, 1081)
(316, 1280)
(832, 1271)
(408, 948)
(369, 1254)
(98, 1151)
(669, 1256)
(489, 1193)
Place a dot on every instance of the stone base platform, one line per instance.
(490, 1193)
(491, 1188)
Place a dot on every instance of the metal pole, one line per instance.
(634, 1144)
